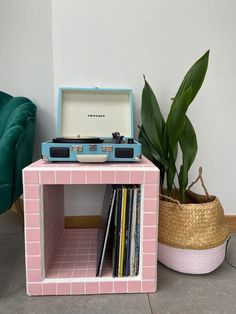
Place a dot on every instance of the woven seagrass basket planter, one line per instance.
(192, 237)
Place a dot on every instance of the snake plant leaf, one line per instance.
(171, 171)
(151, 149)
(195, 76)
(145, 147)
(188, 89)
(146, 152)
(188, 145)
(174, 128)
(152, 119)
(176, 118)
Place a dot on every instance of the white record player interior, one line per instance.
(95, 113)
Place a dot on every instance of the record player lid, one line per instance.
(98, 112)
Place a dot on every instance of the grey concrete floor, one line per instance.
(177, 293)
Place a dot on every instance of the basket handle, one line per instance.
(202, 183)
(170, 198)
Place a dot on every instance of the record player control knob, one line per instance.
(130, 141)
(76, 148)
(92, 147)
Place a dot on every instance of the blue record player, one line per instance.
(93, 125)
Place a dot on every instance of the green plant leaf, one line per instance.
(171, 171)
(151, 149)
(152, 119)
(194, 77)
(188, 145)
(176, 118)
(146, 152)
(187, 91)
(145, 147)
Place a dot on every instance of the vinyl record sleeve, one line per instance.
(137, 234)
(128, 232)
(133, 235)
(116, 236)
(122, 232)
(107, 209)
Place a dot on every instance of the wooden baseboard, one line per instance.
(18, 208)
(75, 222)
(231, 220)
(94, 222)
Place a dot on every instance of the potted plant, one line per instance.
(192, 229)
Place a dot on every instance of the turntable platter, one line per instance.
(81, 139)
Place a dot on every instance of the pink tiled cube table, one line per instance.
(62, 261)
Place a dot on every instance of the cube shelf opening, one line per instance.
(69, 253)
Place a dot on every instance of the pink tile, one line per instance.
(77, 177)
(32, 235)
(122, 177)
(91, 265)
(92, 258)
(51, 274)
(31, 191)
(65, 164)
(136, 177)
(77, 288)
(150, 205)
(149, 246)
(92, 287)
(62, 177)
(65, 273)
(55, 266)
(68, 251)
(80, 273)
(134, 286)
(93, 177)
(63, 288)
(49, 288)
(149, 233)
(31, 206)
(59, 252)
(120, 286)
(150, 191)
(150, 219)
(31, 177)
(82, 258)
(149, 273)
(149, 260)
(151, 177)
(47, 177)
(34, 289)
(149, 286)
(106, 287)
(68, 265)
(107, 177)
(58, 259)
(34, 275)
(90, 273)
(33, 249)
(32, 221)
(33, 262)
(70, 258)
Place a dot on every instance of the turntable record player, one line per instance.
(93, 125)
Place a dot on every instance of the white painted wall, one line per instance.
(83, 200)
(112, 43)
(26, 58)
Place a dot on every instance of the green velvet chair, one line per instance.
(17, 128)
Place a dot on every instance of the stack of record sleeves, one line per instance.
(121, 219)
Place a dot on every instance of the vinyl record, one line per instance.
(81, 139)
